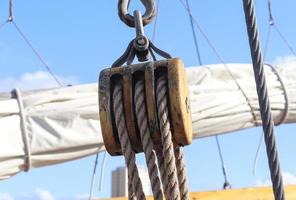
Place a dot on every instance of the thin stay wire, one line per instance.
(27, 41)
(93, 177)
(38, 55)
(194, 34)
(272, 24)
(226, 183)
(221, 60)
(155, 25)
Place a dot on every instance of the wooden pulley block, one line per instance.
(178, 97)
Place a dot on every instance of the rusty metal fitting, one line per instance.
(179, 103)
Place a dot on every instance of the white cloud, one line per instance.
(5, 196)
(82, 197)
(288, 178)
(285, 60)
(33, 80)
(40, 194)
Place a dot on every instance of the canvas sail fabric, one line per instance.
(63, 124)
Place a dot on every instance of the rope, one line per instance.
(38, 55)
(262, 92)
(161, 167)
(27, 147)
(194, 34)
(102, 171)
(182, 178)
(155, 22)
(10, 17)
(126, 147)
(166, 139)
(282, 119)
(211, 45)
(226, 183)
(93, 177)
(3, 24)
(273, 24)
(146, 139)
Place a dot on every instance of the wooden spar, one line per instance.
(262, 193)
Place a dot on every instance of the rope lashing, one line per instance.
(25, 136)
(267, 121)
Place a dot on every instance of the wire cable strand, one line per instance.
(226, 184)
(211, 45)
(155, 22)
(267, 120)
(93, 177)
(38, 55)
(194, 34)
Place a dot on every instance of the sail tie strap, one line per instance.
(27, 148)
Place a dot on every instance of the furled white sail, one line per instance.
(62, 124)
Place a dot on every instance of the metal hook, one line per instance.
(129, 19)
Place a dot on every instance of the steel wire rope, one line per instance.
(272, 23)
(262, 92)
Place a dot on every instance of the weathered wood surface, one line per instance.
(179, 104)
(264, 193)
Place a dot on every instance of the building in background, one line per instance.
(119, 187)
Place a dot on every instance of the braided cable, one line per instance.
(182, 178)
(161, 167)
(267, 121)
(139, 99)
(128, 152)
(166, 139)
(131, 193)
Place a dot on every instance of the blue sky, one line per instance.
(79, 38)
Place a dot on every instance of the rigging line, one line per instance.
(226, 184)
(264, 58)
(266, 43)
(155, 22)
(3, 24)
(273, 24)
(102, 171)
(93, 177)
(222, 61)
(194, 34)
(257, 154)
(284, 39)
(38, 55)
